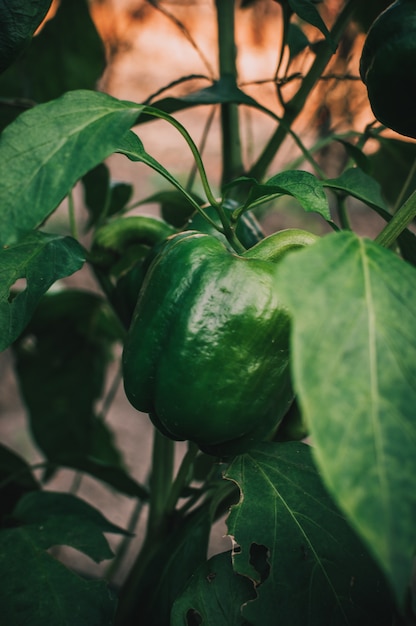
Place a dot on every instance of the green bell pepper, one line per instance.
(207, 353)
(387, 67)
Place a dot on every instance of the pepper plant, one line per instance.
(286, 362)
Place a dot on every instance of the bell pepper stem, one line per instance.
(400, 220)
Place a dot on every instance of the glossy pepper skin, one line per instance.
(388, 67)
(207, 353)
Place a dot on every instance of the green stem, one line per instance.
(72, 219)
(157, 527)
(297, 103)
(192, 146)
(183, 477)
(405, 187)
(232, 165)
(342, 213)
(400, 220)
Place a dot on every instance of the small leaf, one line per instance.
(40, 259)
(296, 40)
(221, 91)
(303, 186)
(309, 567)
(354, 369)
(391, 166)
(308, 12)
(78, 131)
(18, 21)
(214, 595)
(132, 147)
(359, 185)
(63, 519)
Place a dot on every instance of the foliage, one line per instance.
(322, 529)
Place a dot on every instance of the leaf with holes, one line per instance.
(354, 369)
(307, 563)
(213, 595)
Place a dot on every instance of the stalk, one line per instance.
(400, 220)
(232, 165)
(157, 528)
(294, 107)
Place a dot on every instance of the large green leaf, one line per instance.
(309, 567)
(214, 595)
(68, 342)
(18, 21)
(40, 259)
(353, 305)
(67, 54)
(48, 148)
(37, 589)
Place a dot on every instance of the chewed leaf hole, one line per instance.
(18, 286)
(193, 618)
(259, 559)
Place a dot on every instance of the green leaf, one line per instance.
(68, 342)
(305, 187)
(354, 367)
(391, 166)
(103, 197)
(360, 185)
(77, 131)
(132, 147)
(37, 589)
(214, 595)
(40, 259)
(71, 65)
(308, 12)
(309, 567)
(18, 21)
(16, 479)
(221, 91)
(296, 40)
(40, 75)
(96, 186)
(63, 519)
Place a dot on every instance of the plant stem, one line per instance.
(232, 165)
(157, 527)
(296, 104)
(72, 218)
(400, 220)
(183, 477)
